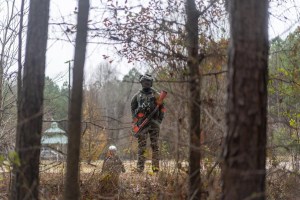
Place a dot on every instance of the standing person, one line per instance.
(143, 103)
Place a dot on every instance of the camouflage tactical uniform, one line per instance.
(144, 102)
(113, 165)
(111, 170)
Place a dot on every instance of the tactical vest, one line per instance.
(146, 102)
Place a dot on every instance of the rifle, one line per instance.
(138, 127)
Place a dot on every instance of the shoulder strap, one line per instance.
(138, 98)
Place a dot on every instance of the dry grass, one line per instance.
(4, 182)
(169, 183)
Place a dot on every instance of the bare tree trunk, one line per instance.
(20, 66)
(19, 79)
(195, 90)
(244, 150)
(72, 190)
(29, 127)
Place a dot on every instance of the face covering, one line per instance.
(146, 84)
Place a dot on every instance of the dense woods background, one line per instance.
(232, 127)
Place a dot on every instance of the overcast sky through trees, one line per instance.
(60, 52)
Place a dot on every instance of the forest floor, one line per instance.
(169, 183)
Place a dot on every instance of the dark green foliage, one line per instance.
(56, 100)
(284, 93)
(133, 75)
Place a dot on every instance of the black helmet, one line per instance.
(146, 77)
(146, 80)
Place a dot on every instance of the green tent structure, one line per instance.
(54, 143)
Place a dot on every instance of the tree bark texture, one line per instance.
(72, 190)
(29, 127)
(194, 88)
(244, 150)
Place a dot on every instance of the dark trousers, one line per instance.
(153, 131)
